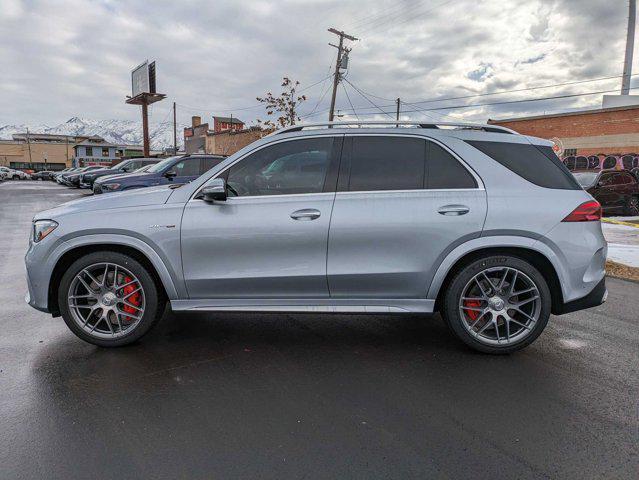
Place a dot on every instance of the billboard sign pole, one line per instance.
(143, 92)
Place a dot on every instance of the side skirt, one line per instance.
(308, 305)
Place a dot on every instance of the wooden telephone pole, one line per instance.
(341, 49)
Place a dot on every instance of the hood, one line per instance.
(120, 176)
(98, 172)
(132, 198)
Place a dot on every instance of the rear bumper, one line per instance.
(596, 297)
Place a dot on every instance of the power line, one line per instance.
(367, 99)
(410, 18)
(349, 101)
(510, 102)
(501, 92)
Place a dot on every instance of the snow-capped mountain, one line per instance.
(121, 132)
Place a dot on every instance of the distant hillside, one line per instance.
(115, 131)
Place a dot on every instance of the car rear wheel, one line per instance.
(497, 304)
(109, 299)
(632, 207)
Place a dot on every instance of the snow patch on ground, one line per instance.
(623, 242)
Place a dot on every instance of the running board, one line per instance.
(315, 305)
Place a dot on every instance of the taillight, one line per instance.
(586, 212)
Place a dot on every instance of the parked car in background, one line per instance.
(43, 175)
(58, 175)
(173, 170)
(127, 166)
(73, 179)
(484, 225)
(12, 174)
(616, 190)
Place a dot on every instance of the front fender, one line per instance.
(170, 280)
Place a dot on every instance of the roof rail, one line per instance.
(431, 125)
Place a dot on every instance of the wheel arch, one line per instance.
(155, 267)
(536, 258)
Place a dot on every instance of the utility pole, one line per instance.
(630, 45)
(29, 146)
(397, 117)
(174, 131)
(341, 49)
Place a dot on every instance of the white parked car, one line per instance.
(11, 174)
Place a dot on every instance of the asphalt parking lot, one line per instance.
(307, 396)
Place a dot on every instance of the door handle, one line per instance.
(453, 210)
(305, 214)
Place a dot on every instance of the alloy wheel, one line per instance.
(500, 306)
(106, 300)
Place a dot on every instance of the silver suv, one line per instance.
(484, 225)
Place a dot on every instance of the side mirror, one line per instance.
(171, 174)
(214, 191)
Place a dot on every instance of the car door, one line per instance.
(269, 238)
(606, 194)
(402, 204)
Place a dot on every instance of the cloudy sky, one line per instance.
(64, 58)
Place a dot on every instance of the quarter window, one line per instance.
(293, 167)
(445, 172)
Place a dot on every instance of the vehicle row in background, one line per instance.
(176, 170)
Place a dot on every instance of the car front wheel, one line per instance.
(497, 304)
(632, 207)
(109, 299)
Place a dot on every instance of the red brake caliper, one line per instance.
(133, 299)
(473, 314)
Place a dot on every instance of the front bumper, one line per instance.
(596, 297)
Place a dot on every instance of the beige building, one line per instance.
(38, 151)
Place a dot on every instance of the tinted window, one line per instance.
(285, 168)
(187, 168)
(581, 163)
(537, 164)
(387, 163)
(627, 160)
(208, 163)
(444, 171)
(626, 178)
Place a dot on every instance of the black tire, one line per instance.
(15, 177)
(155, 301)
(632, 206)
(453, 295)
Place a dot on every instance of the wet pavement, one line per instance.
(308, 396)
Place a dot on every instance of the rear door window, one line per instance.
(387, 163)
(534, 163)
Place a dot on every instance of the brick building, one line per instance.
(607, 131)
(199, 138)
(227, 123)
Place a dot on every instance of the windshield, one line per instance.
(158, 167)
(585, 179)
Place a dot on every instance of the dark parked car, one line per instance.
(43, 175)
(616, 190)
(176, 170)
(127, 166)
(72, 179)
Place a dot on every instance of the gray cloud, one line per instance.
(74, 57)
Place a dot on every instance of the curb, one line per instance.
(617, 222)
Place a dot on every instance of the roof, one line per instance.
(97, 142)
(235, 121)
(564, 114)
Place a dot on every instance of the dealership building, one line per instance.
(604, 131)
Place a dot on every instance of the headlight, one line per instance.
(111, 186)
(42, 228)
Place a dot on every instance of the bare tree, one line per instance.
(285, 105)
